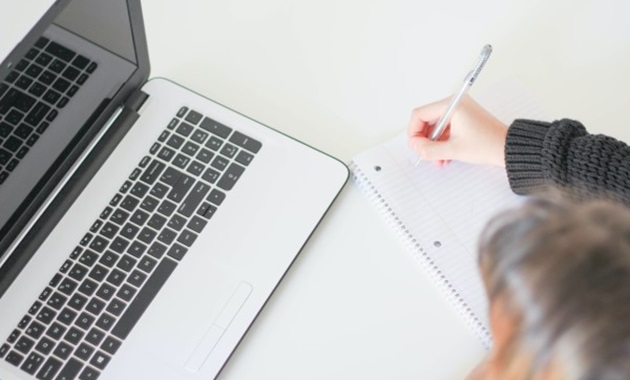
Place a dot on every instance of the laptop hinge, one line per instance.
(136, 100)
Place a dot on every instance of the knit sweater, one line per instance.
(561, 154)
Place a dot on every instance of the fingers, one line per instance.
(423, 117)
(440, 151)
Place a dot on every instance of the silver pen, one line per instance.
(468, 81)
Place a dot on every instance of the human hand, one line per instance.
(473, 134)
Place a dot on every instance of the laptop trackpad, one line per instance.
(216, 330)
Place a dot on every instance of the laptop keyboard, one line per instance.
(33, 93)
(91, 305)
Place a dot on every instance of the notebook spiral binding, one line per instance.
(421, 256)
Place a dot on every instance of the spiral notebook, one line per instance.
(440, 212)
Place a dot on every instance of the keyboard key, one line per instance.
(89, 373)
(77, 302)
(179, 190)
(17, 99)
(74, 335)
(110, 345)
(49, 369)
(45, 346)
(32, 363)
(60, 51)
(24, 345)
(145, 296)
(14, 358)
(214, 143)
(229, 150)
(215, 127)
(187, 238)
(181, 161)
(177, 222)
(219, 163)
(12, 144)
(196, 168)
(37, 114)
(63, 350)
(119, 245)
(177, 251)
(4, 349)
(190, 148)
(245, 142)
(61, 85)
(88, 258)
(126, 292)
(46, 315)
(197, 224)
(105, 321)
(205, 155)
(139, 217)
(157, 250)
(156, 222)
(167, 236)
(216, 197)
(159, 190)
(231, 175)
(34, 70)
(80, 62)
(149, 204)
(182, 112)
(25, 321)
(98, 273)
(206, 210)
(35, 330)
(107, 291)
(92, 66)
(94, 336)
(116, 307)
(84, 351)
(85, 320)
(193, 117)
(152, 173)
(56, 331)
(70, 73)
(94, 306)
(108, 259)
(147, 234)
(100, 360)
(175, 141)
(43, 59)
(184, 129)
(199, 136)
(67, 316)
(194, 199)
(41, 42)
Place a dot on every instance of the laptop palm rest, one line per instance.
(216, 330)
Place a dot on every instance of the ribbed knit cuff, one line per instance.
(523, 155)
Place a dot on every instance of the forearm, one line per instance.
(563, 155)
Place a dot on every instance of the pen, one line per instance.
(468, 81)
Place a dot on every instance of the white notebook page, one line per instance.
(441, 211)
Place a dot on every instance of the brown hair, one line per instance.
(564, 270)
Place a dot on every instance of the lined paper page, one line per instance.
(441, 211)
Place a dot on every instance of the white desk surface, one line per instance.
(343, 75)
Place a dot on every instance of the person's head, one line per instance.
(557, 276)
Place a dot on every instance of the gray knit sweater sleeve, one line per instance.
(562, 154)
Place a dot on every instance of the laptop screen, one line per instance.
(57, 96)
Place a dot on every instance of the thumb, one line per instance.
(431, 150)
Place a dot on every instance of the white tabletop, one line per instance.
(343, 75)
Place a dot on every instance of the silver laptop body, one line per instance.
(145, 226)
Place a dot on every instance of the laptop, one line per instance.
(142, 226)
